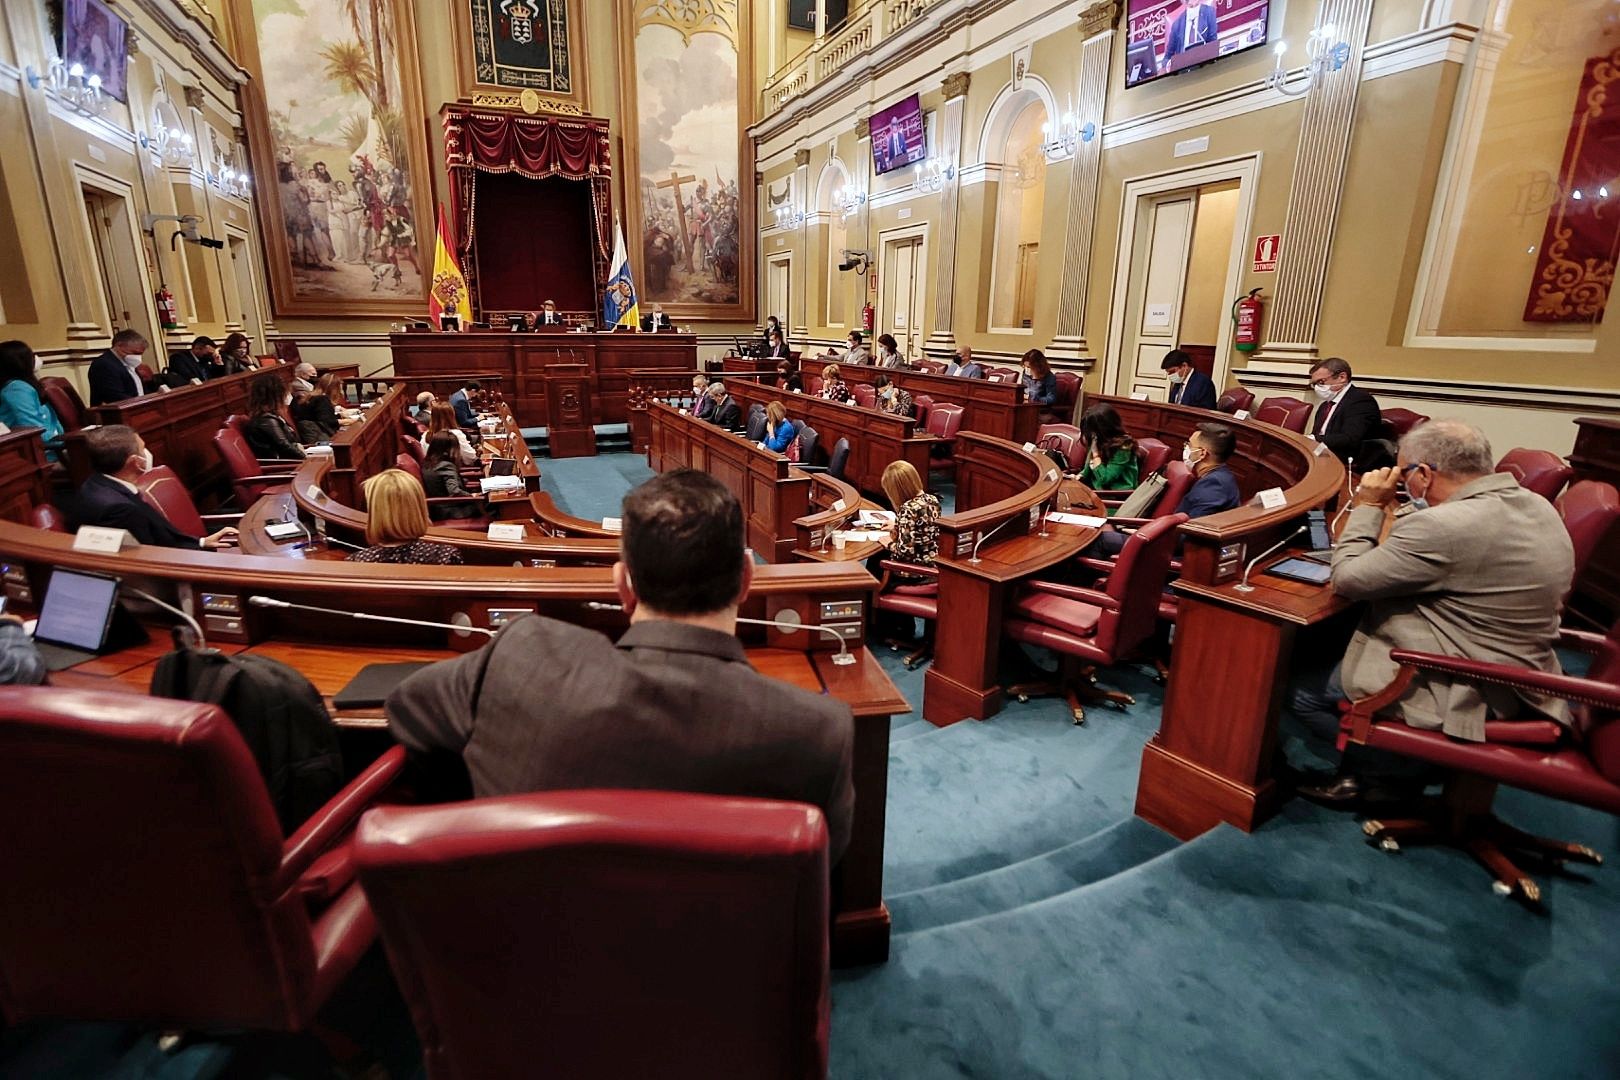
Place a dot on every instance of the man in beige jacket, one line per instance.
(1475, 567)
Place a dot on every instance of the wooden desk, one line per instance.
(521, 360)
(773, 493)
(990, 408)
(875, 438)
(24, 474)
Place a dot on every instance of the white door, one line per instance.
(1158, 279)
(777, 290)
(903, 275)
(247, 298)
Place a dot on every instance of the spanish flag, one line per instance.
(619, 306)
(449, 291)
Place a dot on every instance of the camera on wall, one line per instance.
(189, 231)
(854, 260)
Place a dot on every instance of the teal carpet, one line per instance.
(1041, 930)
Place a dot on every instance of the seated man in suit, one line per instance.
(857, 353)
(673, 706)
(1474, 567)
(702, 403)
(112, 374)
(1188, 385)
(201, 362)
(724, 411)
(964, 365)
(422, 411)
(549, 315)
(110, 498)
(466, 414)
(656, 321)
(778, 349)
(1348, 415)
(304, 376)
(1214, 490)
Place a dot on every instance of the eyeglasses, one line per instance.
(1321, 382)
(1415, 465)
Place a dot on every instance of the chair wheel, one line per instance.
(911, 665)
(1079, 717)
(1389, 843)
(1501, 888)
(1530, 890)
(1023, 699)
(1372, 828)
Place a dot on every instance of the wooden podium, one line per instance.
(568, 410)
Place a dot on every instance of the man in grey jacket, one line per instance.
(1475, 567)
(673, 706)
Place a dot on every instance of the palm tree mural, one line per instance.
(371, 19)
(348, 65)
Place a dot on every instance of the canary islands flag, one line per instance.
(619, 306)
(449, 291)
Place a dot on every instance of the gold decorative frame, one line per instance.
(690, 17)
(493, 95)
(283, 292)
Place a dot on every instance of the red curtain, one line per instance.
(535, 147)
(1575, 264)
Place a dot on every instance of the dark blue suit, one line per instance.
(1197, 392)
(465, 416)
(1215, 491)
(111, 381)
(105, 502)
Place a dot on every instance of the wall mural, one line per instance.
(335, 123)
(686, 86)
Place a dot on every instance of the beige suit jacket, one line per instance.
(1480, 576)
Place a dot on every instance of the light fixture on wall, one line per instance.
(933, 174)
(80, 90)
(168, 138)
(789, 217)
(233, 183)
(1066, 138)
(849, 198)
(1325, 53)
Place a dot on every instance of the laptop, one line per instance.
(76, 622)
(502, 466)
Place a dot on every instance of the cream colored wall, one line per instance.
(1204, 303)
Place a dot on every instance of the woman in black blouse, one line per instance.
(268, 433)
(396, 518)
(441, 477)
(317, 411)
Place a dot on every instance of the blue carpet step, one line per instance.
(909, 728)
(1120, 847)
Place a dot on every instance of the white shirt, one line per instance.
(469, 456)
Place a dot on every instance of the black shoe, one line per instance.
(1342, 791)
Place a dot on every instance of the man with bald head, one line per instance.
(1474, 566)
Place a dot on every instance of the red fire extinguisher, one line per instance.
(868, 317)
(1246, 320)
(168, 313)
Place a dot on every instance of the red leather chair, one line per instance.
(1065, 439)
(1068, 392)
(147, 878)
(164, 492)
(1152, 455)
(64, 400)
(863, 393)
(1286, 412)
(1397, 422)
(1093, 627)
(932, 367)
(1540, 471)
(607, 933)
(813, 384)
(944, 421)
(917, 598)
(1589, 509)
(1235, 400)
(923, 404)
(415, 449)
(287, 351)
(250, 479)
(1524, 752)
(239, 424)
(47, 517)
(1001, 374)
(408, 463)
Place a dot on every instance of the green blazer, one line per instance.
(1117, 473)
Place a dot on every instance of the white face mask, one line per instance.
(1177, 378)
(146, 459)
(132, 361)
(39, 365)
(1325, 392)
(1187, 453)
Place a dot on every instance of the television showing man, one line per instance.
(111, 499)
(894, 147)
(196, 364)
(1188, 385)
(672, 706)
(1193, 25)
(113, 375)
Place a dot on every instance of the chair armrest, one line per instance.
(280, 464)
(1591, 692)
(328, 824)
(272, 478)
(221, 519)
(1124, 523)
(1075, 592)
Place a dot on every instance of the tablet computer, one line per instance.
(76, 617)
(1295, 569)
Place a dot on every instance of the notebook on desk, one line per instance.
(373, 683)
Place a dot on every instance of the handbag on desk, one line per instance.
(1144, 498)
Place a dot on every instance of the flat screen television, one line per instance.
(1164, 37)
(897, 136)
(93, 38)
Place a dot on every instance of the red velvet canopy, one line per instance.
(535, 147)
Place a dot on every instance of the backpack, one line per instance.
(280, 716)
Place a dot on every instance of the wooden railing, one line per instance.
(831, 55)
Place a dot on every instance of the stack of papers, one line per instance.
(1081, 520)
(878, 519)
(490, 484)
(857, 536)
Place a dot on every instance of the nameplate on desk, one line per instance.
(1085, 521)
(105, 541)
(839, 505)
(1029, 448)
(507, 532)
(1272, 499)
(1140, 395)
(196, 382)
(164, 388)
(613, 524)
(318, 451)
(1322, 449)
(1241, 414)
(282, 531)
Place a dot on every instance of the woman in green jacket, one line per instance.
(1110, 453)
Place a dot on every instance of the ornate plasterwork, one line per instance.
(688, 17)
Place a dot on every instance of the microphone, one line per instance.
(202, 642)
(1244, 586)
(344, 544)
(469, 628)
(843, 659)
(988, 535)
(1349, 496)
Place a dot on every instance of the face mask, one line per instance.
(1187, 455)
(286, 399)
(1325, 392)
(1177, 378)
(132, 361)
(146, 460)
(39, 365)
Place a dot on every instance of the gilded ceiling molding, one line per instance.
(1099, 18)
(863, 128)
(688, 17)
(956, 85)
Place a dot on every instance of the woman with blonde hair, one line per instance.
(916, 515)
(396, 519)
(779, 430)
(442, 417)
(832, 384)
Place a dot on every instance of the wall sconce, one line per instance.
(79, 89)
(849, 199)
(233, 183)
(933, 174)
(1324, 56)
(789, 218)
(168, 138)
(1065, 139)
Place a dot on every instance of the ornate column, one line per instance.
(942, 341)
(1313, 198)
(801, 273)
(1097, 29)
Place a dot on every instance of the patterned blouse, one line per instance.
(836, 390)
(916, 530)
(899, 403)
(417, 551)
